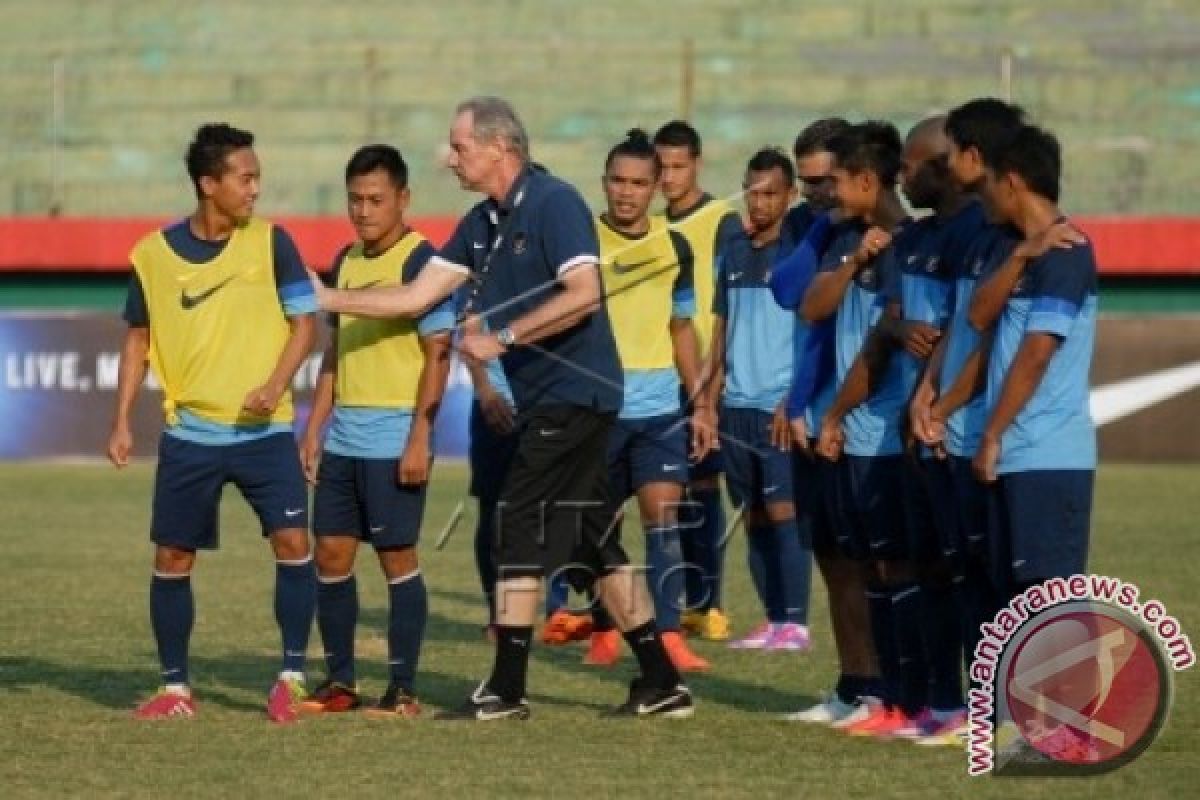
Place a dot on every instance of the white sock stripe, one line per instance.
(403, 578)
(331, 579)
(172, 576)
(300, 562)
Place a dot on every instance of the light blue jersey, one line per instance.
(759, 335)
(987, 252)
(1054, 431)
(926, 276)
(873, 427)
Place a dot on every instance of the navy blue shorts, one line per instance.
(960, 511)
(1039, 525)
(810, 478)
(490, 454)
(922, 521)
(360, 497)
(871, 497)
(642, 451)
(711, 466)
(190, 477)
(756, 473)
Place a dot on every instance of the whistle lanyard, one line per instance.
(501, 227)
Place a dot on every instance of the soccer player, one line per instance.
(531, 253)
(647, 272)
(707, 223)
(1038, 446)
(917, 306)
(948, 409)
(381, 381)
(752, 351)
(856, 268)
(221, 307)
(807, 399)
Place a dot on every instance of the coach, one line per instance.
(530, 255)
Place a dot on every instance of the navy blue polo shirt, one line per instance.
(541, 230)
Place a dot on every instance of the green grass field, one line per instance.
(76, 652)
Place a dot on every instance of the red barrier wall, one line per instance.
(1125, 245)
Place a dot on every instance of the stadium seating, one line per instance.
(315, 79)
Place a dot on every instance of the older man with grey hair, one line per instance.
(530, 254)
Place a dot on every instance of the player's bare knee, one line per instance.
(398, 562)
(779, 513)
(170, 561)
(290, 545)
(335, 555)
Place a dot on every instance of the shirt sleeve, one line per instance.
(814, 366)
(440, 317)
(136, 313)
(568, 232)
(1060, 282)
(792, 274)
(296, 294)
(728, 228)
(720, 293)
(683, 294)
(455, 254)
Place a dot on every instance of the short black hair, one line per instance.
(212, 144)
(679, 133)
(371, 157)
(1035, 155)
(769, 158)
(815, 137)
(873, 146)
(636, 144)
(984, 123)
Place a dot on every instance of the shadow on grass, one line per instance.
(708, 687)
(213, 678)
(235, 682)
(715, 686)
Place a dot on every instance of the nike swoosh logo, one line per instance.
(548, 432)
(188, 302)
(378, 529)
(650, 709)
(632, 265)
(293, 512)
(368, 285)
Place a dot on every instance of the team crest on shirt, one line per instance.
(977, 267)
(932, 264)
(1019, 286)
(866, 277)
(520, 244)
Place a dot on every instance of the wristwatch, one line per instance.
(506, 337)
